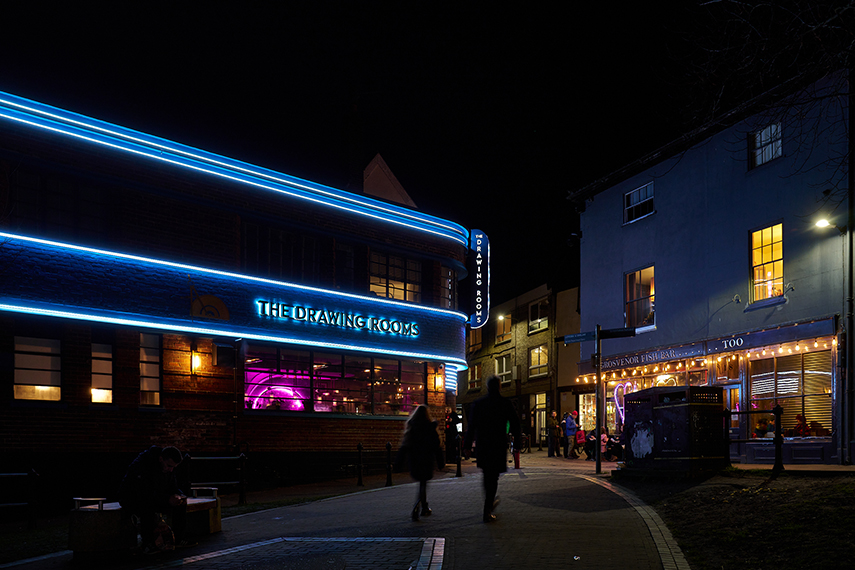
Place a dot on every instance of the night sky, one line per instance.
(487, 115)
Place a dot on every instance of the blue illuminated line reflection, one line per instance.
(221, 332)
(66, 123)
(408, 306)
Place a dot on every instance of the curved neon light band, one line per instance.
(220, 332)
(239, 276)
(66, 123)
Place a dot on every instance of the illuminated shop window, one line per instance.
(800, 384)
(447, 288)
(102, 373)
(277, 379)
(638, 203)
(504, 368)
(503, 328)
(538, 361)
(282, 379)
(767, 262)
(538, 315)
(640, 306)
(765, 145)
(475, 376)
(149, 369)
(395, 277)
(37, 369)
(474, 339)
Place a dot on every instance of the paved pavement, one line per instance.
(554, 514)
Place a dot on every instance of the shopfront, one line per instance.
(794, 366)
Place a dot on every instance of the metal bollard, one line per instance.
(388, 463)
(359, 482)
(459, 456)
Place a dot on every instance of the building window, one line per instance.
(503, 328)
(102, 374)
(295, 380)
(767, 262)
(474, 339)
(447, 288)
(765, 145)
(475, 376)
(504, 368)
(538, 361)
(37, 369)
(800, 384)
(149, 369)
(344, 267)
(395, 277)
(638, 203)
(274, 253)
(639, 311)
(538, 315)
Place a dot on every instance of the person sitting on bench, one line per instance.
(150, 489)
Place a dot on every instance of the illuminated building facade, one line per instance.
(709, 249)
(518, 344)
(154, 293)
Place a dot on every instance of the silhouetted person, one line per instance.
(421, 451)
(488, 426)
(149, 489)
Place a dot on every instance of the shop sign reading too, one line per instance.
(479, 247)
(326, 317)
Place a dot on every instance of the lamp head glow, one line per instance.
(823, 223)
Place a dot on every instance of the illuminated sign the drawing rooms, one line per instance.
(327, 317)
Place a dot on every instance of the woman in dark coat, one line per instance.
(422, 453)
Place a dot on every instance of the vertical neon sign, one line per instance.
(479, 249)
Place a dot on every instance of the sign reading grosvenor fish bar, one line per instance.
(479, 249)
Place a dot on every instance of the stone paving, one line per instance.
(554, 514)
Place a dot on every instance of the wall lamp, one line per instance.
(823, 223)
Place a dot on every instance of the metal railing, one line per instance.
(239, 471)
(778, 440)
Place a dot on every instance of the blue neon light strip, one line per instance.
(66, 123)
(250, 278)
(140, 322)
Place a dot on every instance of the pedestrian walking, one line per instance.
(491, 417)
(421, 452)
(570, 428)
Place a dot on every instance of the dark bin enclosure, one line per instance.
(676, 428)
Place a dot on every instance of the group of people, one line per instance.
(569, 436)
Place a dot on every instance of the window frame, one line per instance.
(505, 372)
(475, 379)
(542, 322)
(37, 358)
(475, 340)
(102, 373)
(147, 363)
(406, 277)
(759, 143)
(635, 209)
(642, 323)
(541, 368)
(504, 328)
(776, 281)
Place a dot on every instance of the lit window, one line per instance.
(765, 145)
(640, 306)
(102, 373)
(504, 368)
(149, 369)
(474, 339)
(538, 315)
(37, 369)
(801, 385)
(638, 203)
(503, 328)
(475, 376)
(395, 277)
(767, 262)
(538, 361)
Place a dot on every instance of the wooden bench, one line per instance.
(97, 528)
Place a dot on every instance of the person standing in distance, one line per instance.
(488, 426)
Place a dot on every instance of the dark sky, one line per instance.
(486, 115)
